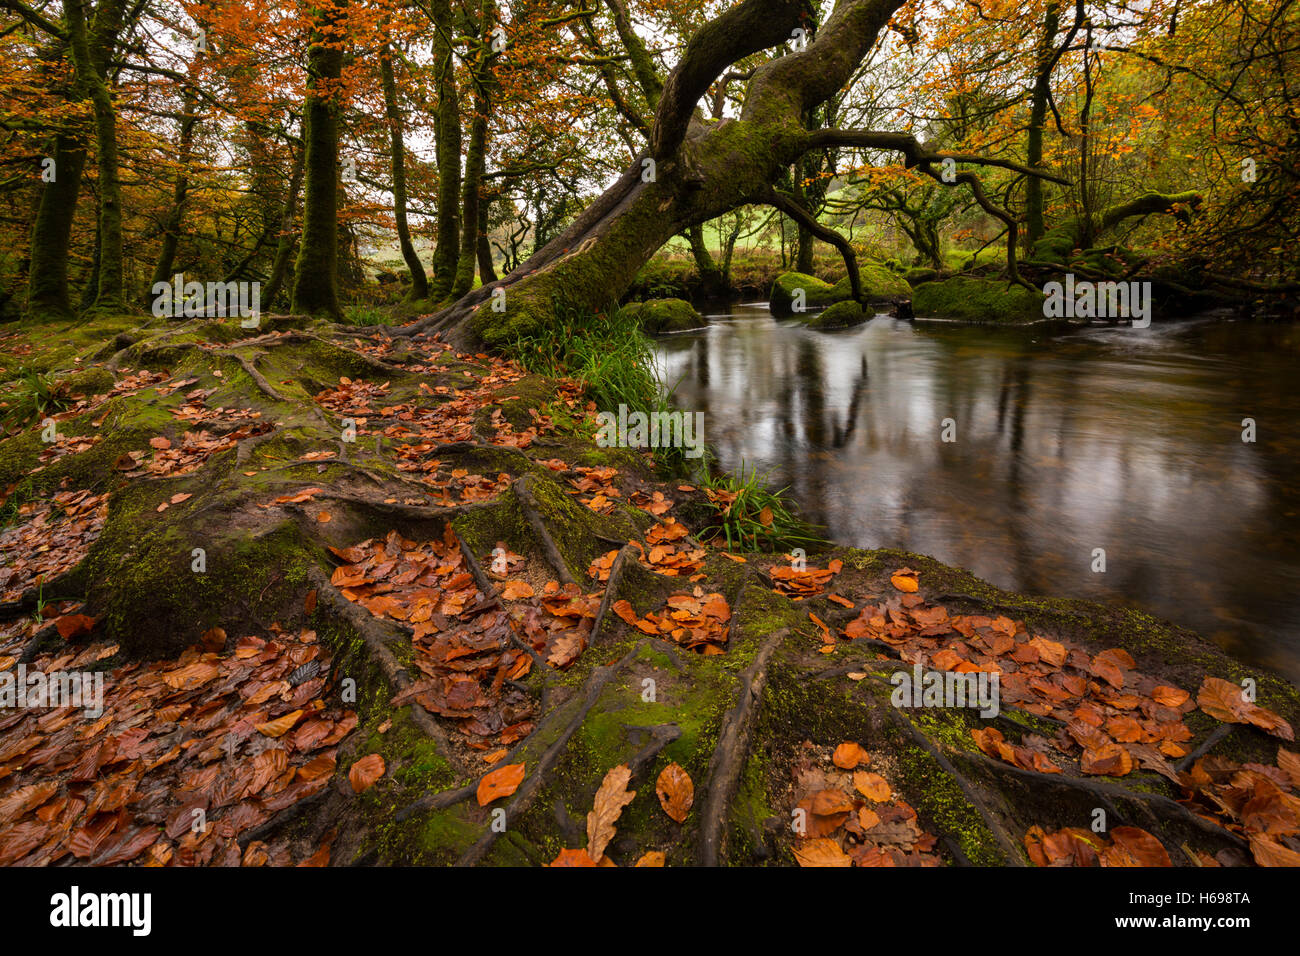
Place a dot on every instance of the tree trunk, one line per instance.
(1034, 222)
(475, 163)
(486, 268)
(712, 282)
(447, 254)
(315, 287)
(47, 278)
(172, 226)
(284, 248)
(701, 171)
(419, 281)
(91, 51)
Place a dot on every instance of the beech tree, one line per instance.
(695, 170)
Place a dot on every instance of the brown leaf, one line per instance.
(651, 858)
(281, 725)
(1268, 852)
(1134, 847)
(611, 798)
(365, 772)
(73, 625)
(676, 792)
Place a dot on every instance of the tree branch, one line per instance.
(916, 153)
(800, 215)
(747, 28)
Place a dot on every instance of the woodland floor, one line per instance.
(319, 650)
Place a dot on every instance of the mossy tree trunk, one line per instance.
(419, 281)
(486, 267)
(171, 226)
(712, 281)
(47, 277)
(446, 256)
(315, 288)
(288, 237)
(701, 170)
(91, 47)
(1048, 54)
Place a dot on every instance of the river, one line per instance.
(1127, 440)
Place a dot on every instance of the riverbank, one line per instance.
(521, 612)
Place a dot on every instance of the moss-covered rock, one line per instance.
(841, 315)
(968, 299)
(658, 316)
(816, 293)
(879, 283)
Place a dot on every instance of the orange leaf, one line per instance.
(821, 852)
(514, 590)
(280, 726)
(608, 805)
(676, 792)
(872, 786)
(849, 755)
(905, 581)
(365, 772)
(500, 783)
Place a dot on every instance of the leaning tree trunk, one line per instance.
(698, 172)
(315, 287)
(695, 172)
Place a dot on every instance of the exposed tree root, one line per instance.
(532, 784)
(730, 752)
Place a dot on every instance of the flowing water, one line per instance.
(1108, 437)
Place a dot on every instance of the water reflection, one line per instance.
(1122, 439)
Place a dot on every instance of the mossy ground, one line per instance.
(629, 698)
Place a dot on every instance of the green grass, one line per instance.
(364, 315)
(32, 397)
(752, 517)
(611, 357)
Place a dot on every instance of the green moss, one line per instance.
(978, 300)
(816, 293)
(660, 316)
(841, 315)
